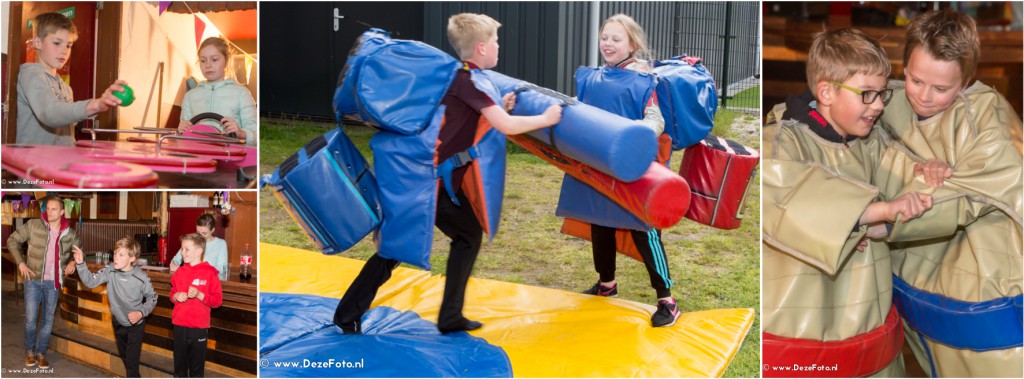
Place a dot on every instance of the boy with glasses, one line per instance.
(826, 285)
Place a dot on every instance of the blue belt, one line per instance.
(444, 170)
(988, 325)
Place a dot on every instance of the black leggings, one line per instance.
(458, 223)
(651, 250)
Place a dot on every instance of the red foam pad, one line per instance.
(623, 237)
(719, 172)
(659, 198)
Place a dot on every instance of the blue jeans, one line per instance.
(37, 292)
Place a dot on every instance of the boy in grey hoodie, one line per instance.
(47, 111)
(131, 298)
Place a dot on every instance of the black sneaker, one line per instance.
(350, 327)
(599, 290)
(666, 315)
(466, 325)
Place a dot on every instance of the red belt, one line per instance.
(857, 356)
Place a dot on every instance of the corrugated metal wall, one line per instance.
(539, 40)
(544, 42)
(699, 31)
(657, 19)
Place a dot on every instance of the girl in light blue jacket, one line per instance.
(220, 95)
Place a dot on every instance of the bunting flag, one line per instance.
(200, 27)
(163, 7)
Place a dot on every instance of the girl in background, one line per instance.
(220, 95)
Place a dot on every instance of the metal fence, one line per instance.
(545, 42)
(727, 36)
(541, 42)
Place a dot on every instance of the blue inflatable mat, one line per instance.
(298, 339)
(329, 190)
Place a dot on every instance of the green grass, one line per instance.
(748, 98)
(712, 268)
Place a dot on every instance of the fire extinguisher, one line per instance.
(30, 52)
(161, 249)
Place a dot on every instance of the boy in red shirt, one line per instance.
(195, 289)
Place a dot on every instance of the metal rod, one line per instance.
(159, 94)
(725, 54)
(164, 130)
(149, 100)
(93, 131)
(186, 138)
(595, 33)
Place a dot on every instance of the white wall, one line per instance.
(146, 39)
(5, 9)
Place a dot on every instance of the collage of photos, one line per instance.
(562, 189)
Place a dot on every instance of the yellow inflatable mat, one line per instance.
(544, 332)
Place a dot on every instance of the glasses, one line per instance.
(868, 96)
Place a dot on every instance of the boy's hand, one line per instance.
(174, 266)
(106, 100)
(509, 101)
(69, 269)
(183, 126)
(79, 257)
(553, 114)
(877, 231)
(863, 244)
(909, 206)
(231, 126)
(134, 317)
(192, 292)
(935, 171)
(180, 297)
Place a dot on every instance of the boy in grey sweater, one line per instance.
(47, 111)
(131, 298)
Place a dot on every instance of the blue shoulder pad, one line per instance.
(394, 85)
(688, 100)
(328, 189)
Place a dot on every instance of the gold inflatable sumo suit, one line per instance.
(822, 299)
(958, 268)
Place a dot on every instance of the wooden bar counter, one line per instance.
(786, 42)
(232, 338)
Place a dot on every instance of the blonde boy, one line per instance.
(195, 290)
(959, 277)
(825, 284)
(47, 111)
(475, 38)
(131, 298)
